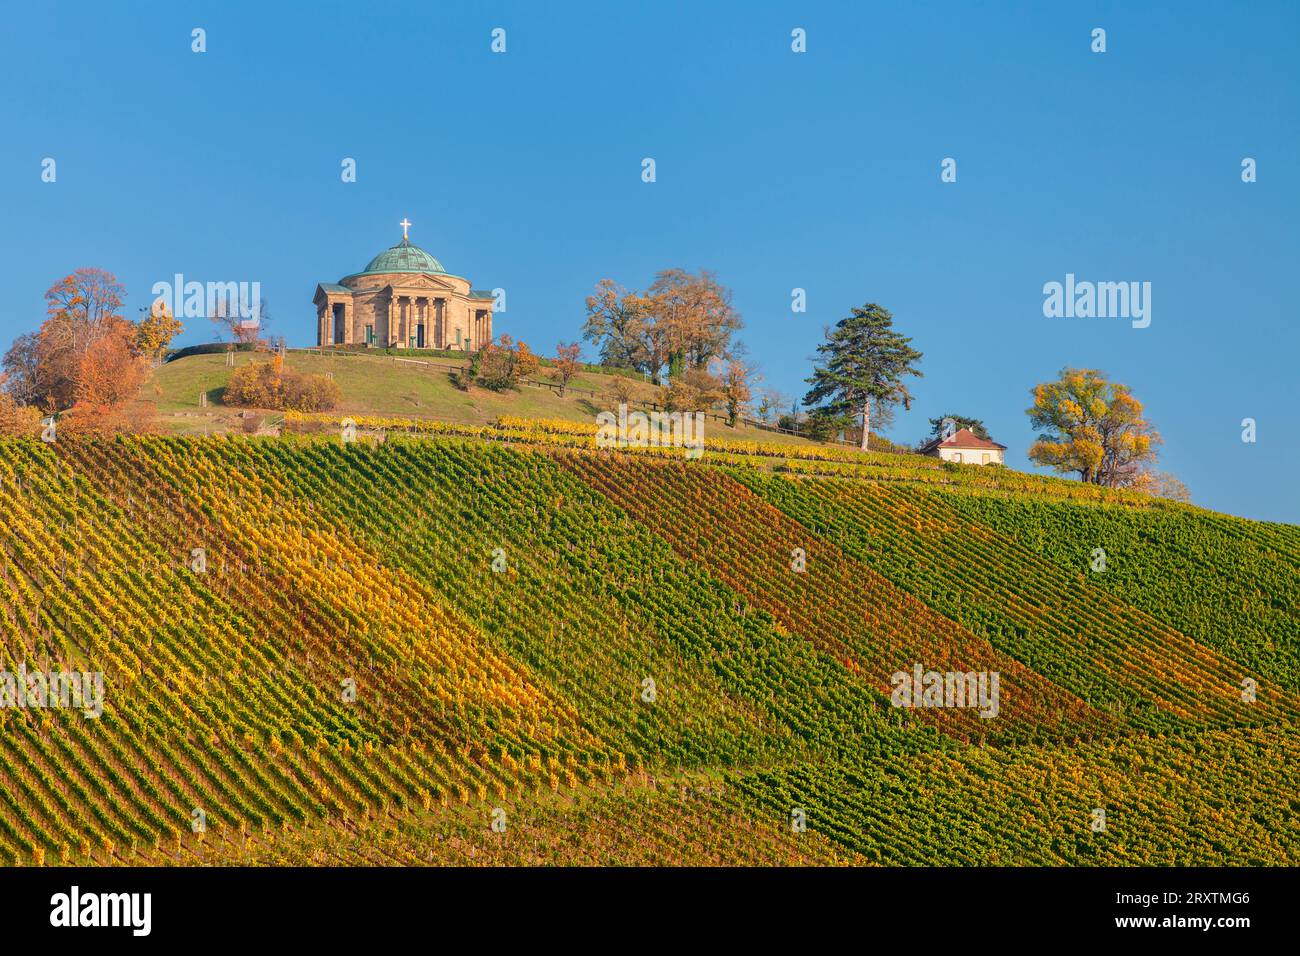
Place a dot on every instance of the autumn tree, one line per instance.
(155, 333)
(1161, 484)
(864, 362)
(81, 309)
(682, 321)
(17, 419)
(736, 378)
(503, 364)
(694, 314)
(695, 390)
(568, 364)
(618, 391)
(975, 425)
(111, 371)
(1091, 426)
(770, 403)
(618, 324)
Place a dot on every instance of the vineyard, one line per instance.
(499, 645)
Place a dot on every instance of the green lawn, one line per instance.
(384, 386)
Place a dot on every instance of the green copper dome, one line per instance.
(404, 257)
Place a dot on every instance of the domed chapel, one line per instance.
(403, 298)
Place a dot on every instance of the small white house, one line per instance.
(964, 447)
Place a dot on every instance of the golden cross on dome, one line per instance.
(405, 224)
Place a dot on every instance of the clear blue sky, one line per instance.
(777, 170)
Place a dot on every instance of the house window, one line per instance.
(957, 457)
(370, 335)
(984, 458)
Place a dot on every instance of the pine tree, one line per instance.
(865, 360)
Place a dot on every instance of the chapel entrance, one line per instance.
(339, 328)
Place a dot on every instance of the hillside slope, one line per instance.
(393, 387)
(374, 652)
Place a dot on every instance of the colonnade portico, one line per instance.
(404, 299)
(417, 320)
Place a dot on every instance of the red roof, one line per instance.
(961, 438)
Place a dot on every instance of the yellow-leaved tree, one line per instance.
(154, 334)
(1092, 426)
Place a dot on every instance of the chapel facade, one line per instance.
(403, 298)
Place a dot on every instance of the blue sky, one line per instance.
(777, 170)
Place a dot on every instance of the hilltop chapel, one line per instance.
(403, 298)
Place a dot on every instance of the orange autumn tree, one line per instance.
(111, 371)
(1091, 426)
(86, 363)
(568, 363)
(504, 363)
(737, 378)
(16, 419)
(81, 309)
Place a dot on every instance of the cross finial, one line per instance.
(405, 224)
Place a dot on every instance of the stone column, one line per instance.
(390, 333)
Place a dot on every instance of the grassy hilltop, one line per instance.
(383, 386)
(390, 647)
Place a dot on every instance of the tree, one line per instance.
(242, 331)
(17, 419)
(111, 372)
(683, 321)
(617, 321)
(1091, 426)
(695, 315)
(505, 363)
(769, 401)
(1161, 484)
(156, 332)
(21, 364)
(865, 361)
(82, 308)
(822, 425)
(618, 391)
(975, 425)
(737, 379)
(567, 364)
(695, 390)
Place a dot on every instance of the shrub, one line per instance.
(208, 348)
(822, 426)
(501, 366)
(271, 385)
(18, 420)
(312, 393)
